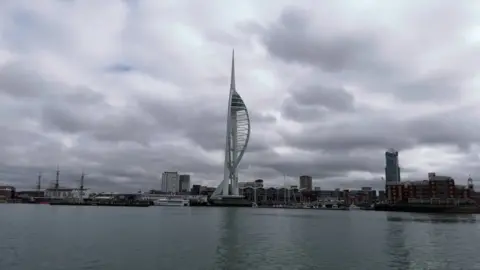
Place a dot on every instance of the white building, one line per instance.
(170, 182)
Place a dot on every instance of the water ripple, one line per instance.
(50, 238)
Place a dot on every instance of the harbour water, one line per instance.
(43, 237)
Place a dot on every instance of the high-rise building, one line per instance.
(306, 182)
(170, 182)
(184, 182)
(237, 137)
(392, 169)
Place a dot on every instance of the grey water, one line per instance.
(43, 237)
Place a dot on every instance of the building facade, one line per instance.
(7, 192)
(306, 182)
(392, 168)
(437, 188)
(170, 182)
(255, 184)
(195, 190)
(184, 182)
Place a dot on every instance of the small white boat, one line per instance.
(171, 201)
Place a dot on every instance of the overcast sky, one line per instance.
(128, 89)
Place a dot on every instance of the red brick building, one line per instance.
(440, 188)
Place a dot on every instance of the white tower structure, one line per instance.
(237, 136)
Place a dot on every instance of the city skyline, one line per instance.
(126, 91)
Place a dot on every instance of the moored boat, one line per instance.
(171, 201)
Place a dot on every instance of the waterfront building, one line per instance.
(258, 183)
(437, 188)
(326, 194)
(293, 195)
(7, 192)
(381, 196)
(170, 182)
(306, 182)
(184, 182)
(255, 184)
(195, 190)
(237, 137)
(392, 169)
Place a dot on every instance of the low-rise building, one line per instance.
(7, 192)
(437, 187)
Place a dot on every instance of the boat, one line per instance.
(172, 201)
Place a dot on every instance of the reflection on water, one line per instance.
(422, 241)
(432, 218)
(396, 248)
(227, 248)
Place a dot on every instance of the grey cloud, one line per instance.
(376, 131)
(359, 57)
(17, 81)
(319, 164)
(313, 102)
(458, 127)
(332, 98)
(292, 39)
(443, 85)
(354, 133)
(114, 145)
(74, 109)
(203, 125)
(293, 111)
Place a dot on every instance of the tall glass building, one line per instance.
(392, 170)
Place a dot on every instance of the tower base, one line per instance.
(230, 201)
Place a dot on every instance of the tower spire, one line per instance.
(232, 76)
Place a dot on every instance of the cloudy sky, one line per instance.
(128, 89)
